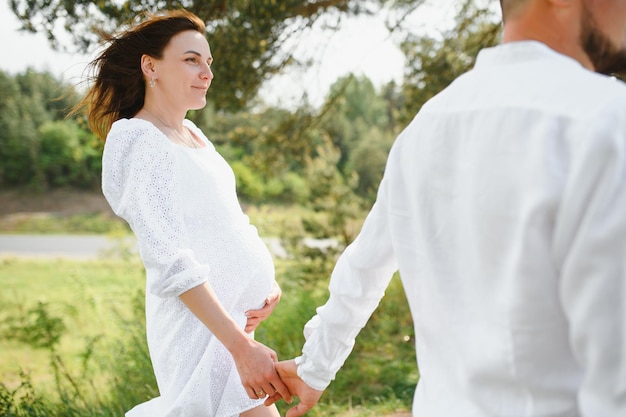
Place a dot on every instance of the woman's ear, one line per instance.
(148, 66)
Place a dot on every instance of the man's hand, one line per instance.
(287, 370)
(255, 317)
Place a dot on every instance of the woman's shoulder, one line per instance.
(136, 131)
(129, 136)
(130, 128)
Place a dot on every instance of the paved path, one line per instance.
(90, 246)
(56, 246)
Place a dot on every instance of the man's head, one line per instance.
(603, 34)
(590, 31)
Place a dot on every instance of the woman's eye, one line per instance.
(191, 59)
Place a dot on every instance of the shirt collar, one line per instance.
(519, 52)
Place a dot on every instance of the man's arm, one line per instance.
(590, 249)
(357, 284)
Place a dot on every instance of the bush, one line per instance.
(22, 401)
(296, 189)
(368, 160)
(38, 146)
(69, 155)
(274, 190)
(249, 185)
(18, 145)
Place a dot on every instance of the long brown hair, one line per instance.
(119, 87)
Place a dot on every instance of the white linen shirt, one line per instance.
(503, 205)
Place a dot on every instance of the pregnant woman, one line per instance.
(209, 276)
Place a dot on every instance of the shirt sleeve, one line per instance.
(357, 284)
(590, 247)
(140, 183)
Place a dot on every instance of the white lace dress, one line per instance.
(182, 206)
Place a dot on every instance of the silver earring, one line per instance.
(152, 83)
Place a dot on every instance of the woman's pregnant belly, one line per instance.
(242, 269)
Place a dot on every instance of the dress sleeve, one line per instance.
(357, 284)
(140, 182)
(590, 248)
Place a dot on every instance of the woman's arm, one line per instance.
(254, 361)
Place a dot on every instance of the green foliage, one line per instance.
(269, 151)
(69, 155)
(23, 401)
(18, 134)
(353, 108)
(295, 189)
(106, 370)
(246, 37)
(135, 370)
(368, 160)
(387, 338)
(249, 185)
(37, 149)
(275, 153)
(257, 187)
(36, 328)
(45, 224)
(72, 327)
(433, 63)
(331, 194)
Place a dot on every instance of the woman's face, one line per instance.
(184, 74)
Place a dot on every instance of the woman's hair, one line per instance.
(119, 87)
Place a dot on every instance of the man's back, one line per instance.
(499, 194)
(504, 207)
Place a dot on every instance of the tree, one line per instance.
(246, 36)
(356, 108)
(433, 63)
(368, 160)
(35, 151)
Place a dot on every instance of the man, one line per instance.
(503, 206)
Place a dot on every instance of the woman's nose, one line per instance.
(207, 73)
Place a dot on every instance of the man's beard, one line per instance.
(605, 57)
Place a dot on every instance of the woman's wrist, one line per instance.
(238, 343)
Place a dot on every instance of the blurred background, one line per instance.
(307, 100)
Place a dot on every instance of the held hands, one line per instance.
(287, 370)
(255, 364)
(279, 379)
(255, 317)
(255, 361)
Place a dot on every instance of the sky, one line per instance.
(362, 46)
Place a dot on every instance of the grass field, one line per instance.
(87, 296)
(90, 299)
(71, 324)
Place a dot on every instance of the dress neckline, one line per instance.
(188, 124)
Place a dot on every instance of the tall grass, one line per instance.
(73, 341)
(51, 223)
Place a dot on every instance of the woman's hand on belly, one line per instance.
(255, 317)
